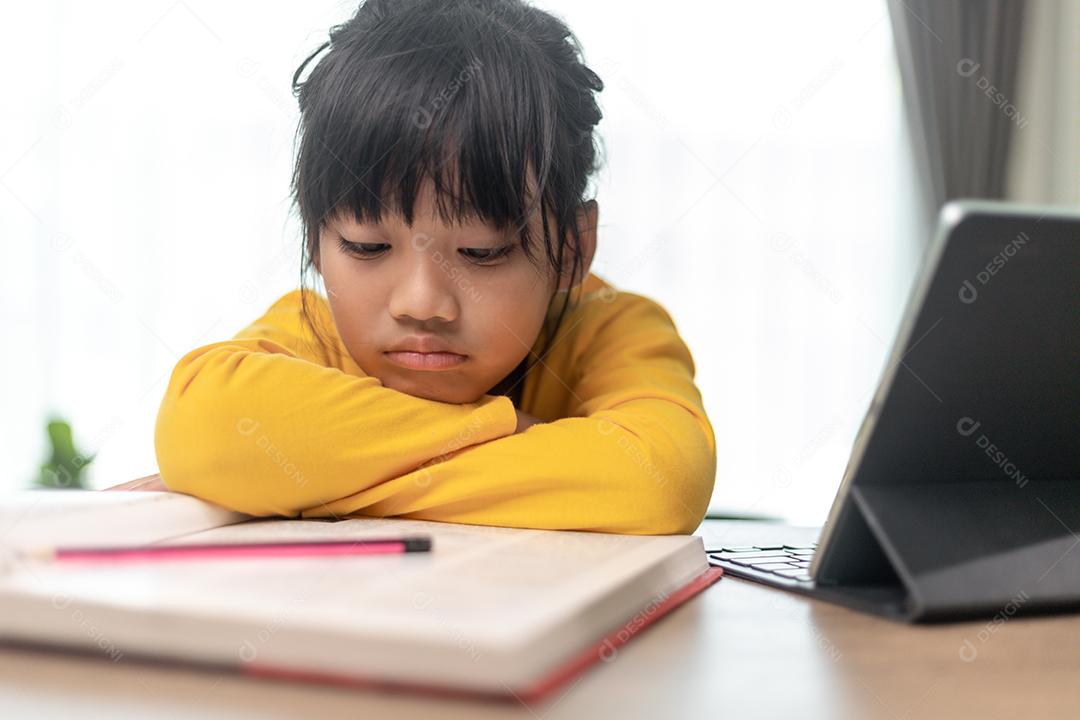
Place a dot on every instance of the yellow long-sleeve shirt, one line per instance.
(270, 424)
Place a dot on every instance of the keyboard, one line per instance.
(781, 564)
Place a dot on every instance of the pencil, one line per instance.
(251, 550)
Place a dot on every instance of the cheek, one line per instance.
(521, 286)
(353, 301)
(514, 304)
(346, 283)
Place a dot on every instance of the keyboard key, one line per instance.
(795, 574)
(751, 555)
(769, 547)
(750, 562)
(738, 548)
(801, 547)
(770, 566)
(744, 562)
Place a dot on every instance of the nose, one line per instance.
(424, 292)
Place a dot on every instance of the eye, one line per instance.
(486, 256)
(363, 250)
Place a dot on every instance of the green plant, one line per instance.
(64, 468)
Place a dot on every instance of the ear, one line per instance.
(587, 216)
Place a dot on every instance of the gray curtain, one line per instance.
(958, 65)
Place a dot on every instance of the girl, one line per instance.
(464, 365)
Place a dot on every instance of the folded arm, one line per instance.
(257, 425)
(637, 456)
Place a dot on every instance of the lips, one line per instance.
(423, 344)
(425, 361)
(424, 353)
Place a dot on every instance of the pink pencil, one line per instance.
(217, 551)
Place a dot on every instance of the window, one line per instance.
(756, 186)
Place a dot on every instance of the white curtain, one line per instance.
(1046, 150)
(757, 186)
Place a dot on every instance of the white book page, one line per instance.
(487, 604)
(496, 583)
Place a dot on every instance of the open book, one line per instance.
(490, 611)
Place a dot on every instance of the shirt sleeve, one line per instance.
(257, 424)
(637, 456)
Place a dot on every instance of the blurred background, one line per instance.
(772, 173)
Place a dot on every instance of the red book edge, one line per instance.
(604, 649)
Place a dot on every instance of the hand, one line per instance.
(525, 421)
(150, 482)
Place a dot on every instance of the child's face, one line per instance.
(423, 289)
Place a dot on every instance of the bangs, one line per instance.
(469, 116)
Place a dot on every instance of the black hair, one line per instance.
(490, 100)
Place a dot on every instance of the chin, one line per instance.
(440, 394)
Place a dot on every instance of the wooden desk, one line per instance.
(739, 650)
